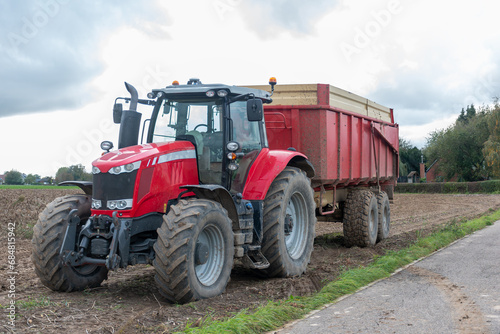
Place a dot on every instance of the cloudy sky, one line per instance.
(62, 62)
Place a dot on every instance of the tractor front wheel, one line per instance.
(194, 251)
(48, 235)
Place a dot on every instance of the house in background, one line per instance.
(432, 173)
(413, 177)
(2, 179)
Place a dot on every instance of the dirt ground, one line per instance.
(128, 301)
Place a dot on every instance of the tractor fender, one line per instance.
(268, 165)
(86, 186)
(215, 193)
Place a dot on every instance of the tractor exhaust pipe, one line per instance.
(130, 122)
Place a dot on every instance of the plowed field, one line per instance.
(128, 300)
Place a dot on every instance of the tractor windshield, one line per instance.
(199, 122)
(179, 118)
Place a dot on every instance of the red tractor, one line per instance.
(202, 190)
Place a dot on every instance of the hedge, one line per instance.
(483, 187)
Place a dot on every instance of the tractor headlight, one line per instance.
(120, 204)
(125, 168)
(232, 146)
(233, 166)
(106, 145)
(96, 204)
(222, 93)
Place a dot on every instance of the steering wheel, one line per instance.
(196, 127)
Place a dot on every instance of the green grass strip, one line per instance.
(276, 314)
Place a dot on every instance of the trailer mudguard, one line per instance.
(267, 166)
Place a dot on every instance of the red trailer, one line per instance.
(353, 144)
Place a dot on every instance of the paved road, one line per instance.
(455, 290)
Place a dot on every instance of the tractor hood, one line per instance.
(132, 157)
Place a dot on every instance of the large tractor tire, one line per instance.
(289, 224)
(194, 251)
(360, 218)
(384, 216)
(48, 235)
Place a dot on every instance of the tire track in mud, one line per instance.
(465, 313)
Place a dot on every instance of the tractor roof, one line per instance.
(201, 89)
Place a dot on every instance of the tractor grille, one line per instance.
(111, 187)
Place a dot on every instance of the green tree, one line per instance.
(466, 115)
(410, 157)
(72, 173)
(63, 174)
(459, 148)
(31, 179)
(491, 148)
(13, 177)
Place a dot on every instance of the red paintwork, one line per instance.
(264, 170)
(156, 183)
(339, 143)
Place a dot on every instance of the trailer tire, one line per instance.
(194, 251)
(384, 216)
(48, 235)
(360, 218)
(289, 224)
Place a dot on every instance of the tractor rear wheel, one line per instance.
(289, 224)
(194, 251)
(384, 216)
(360, 218)
(48, 235)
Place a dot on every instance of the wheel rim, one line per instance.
(296, 226)
(373, 224)
(385, 220)
(208, 269)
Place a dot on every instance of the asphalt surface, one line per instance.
(455, 290)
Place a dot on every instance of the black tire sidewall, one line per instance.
(64, 278)
(383, 229)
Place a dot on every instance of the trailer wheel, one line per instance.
(48, 235)
(384, 216)
(289, 224)
(361, 218)
(194, 251)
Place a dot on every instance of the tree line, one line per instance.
(71, 173)
(468, 150)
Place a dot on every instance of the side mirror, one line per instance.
(117, 113)
(254, 110)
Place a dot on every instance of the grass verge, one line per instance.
(276, 314)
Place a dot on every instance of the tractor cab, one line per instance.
(224, 124)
